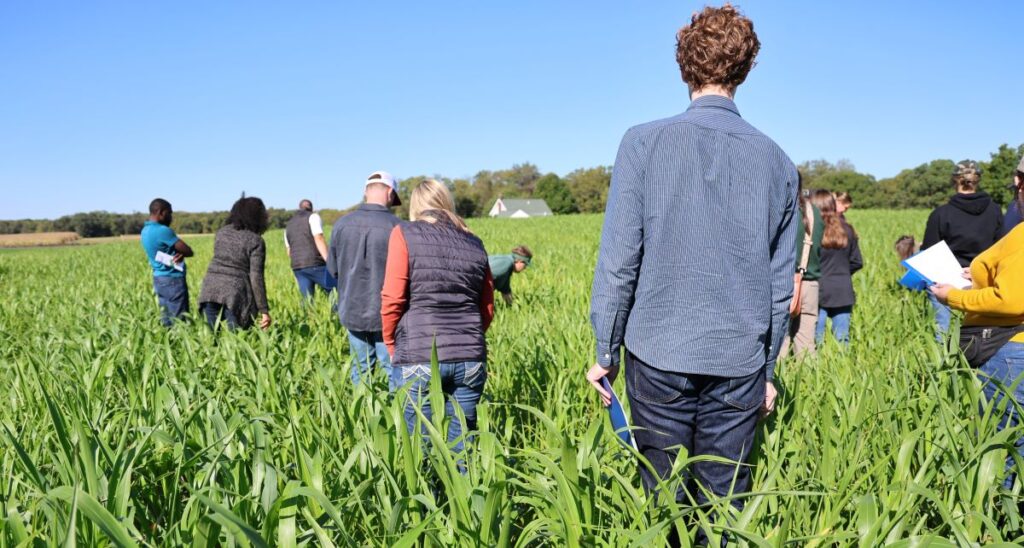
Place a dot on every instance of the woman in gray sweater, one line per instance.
(233, 290)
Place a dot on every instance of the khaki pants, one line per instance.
(801, 328)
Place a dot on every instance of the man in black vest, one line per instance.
(304, 238)
(357, 257)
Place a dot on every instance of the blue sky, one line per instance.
(105, 105)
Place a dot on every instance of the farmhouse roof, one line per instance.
(533, 207)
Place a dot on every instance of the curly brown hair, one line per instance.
(718, 47)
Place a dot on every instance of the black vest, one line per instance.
(447, 272)
(300, 240)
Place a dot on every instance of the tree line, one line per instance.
(584, 190)
(925, 186)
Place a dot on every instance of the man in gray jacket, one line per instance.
(357, 256)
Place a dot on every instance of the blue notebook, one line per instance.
(618, 417)
(914, 280)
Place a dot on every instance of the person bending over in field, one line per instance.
(233, 290)
(438, 291)
(970, 223)
(307, 251)
(905, 247)
(357, 257)
(840, 259)
(694, 274)
(992, 335)
(504, 266)
(166, 253)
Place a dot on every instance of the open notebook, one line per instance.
(935, 265)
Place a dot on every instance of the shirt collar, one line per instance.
(372, 207)
(714, 101)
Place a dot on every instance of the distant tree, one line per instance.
(464, 195)
(589, 188)
(813, 170)
(842, 176)
(553, 190)
(997, 173)
(925, 186)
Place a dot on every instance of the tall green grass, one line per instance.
(114, 431)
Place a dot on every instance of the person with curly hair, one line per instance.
(694, 275)
(234, 291)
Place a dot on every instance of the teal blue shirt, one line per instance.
(501, 270)
(157, 237)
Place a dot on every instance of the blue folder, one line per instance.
(618, 417)
(914, 280)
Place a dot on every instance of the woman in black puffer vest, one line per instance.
(438, 291)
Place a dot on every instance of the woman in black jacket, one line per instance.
(840, 258)
(970, 223)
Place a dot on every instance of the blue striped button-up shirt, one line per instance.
(695, 270)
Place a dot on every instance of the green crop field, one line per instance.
(115, 431)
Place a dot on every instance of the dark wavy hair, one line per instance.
(249, 214)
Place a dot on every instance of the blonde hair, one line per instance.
(431, 195)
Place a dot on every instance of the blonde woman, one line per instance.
(438, 291)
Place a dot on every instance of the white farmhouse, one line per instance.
(520, 209)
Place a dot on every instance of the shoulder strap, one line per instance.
(808, 237)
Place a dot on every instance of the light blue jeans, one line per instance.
(942, 316)
(461, 381)
(840, 324)
(998, 376)
(368, 352)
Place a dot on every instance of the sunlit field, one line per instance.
(116, 431)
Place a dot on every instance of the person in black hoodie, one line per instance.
(970, 223)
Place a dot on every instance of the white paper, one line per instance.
(167, 259)
(938, 264)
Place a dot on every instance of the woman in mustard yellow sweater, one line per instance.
(994, 309)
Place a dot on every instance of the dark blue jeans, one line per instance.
(313, 276)
(1001, 376)
(172, 294)
(216, 312)
(461, 381)
(706, 415)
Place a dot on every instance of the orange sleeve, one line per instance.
(487, 301)
(394, 297)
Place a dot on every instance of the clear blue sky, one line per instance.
(105, 105)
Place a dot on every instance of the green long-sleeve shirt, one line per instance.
(501, 269)
(814, 261)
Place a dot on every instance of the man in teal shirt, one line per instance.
(504, 266)
(166, 253)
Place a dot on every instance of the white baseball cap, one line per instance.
(385, 178)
